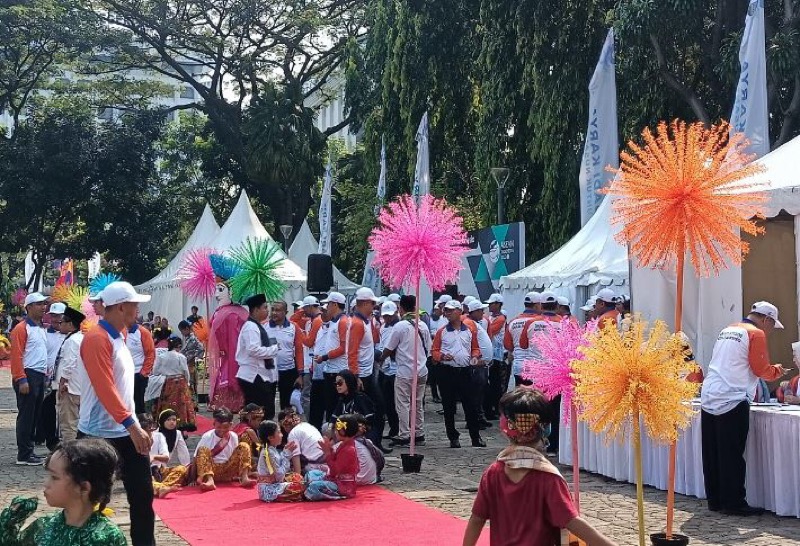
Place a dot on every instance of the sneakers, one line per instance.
(33, 460)
(455, 444)
(419, 440)
(478, 442)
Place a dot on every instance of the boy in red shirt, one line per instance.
(522, 493)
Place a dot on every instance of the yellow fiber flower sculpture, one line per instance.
(628, 374)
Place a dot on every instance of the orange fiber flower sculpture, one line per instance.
(687, 188)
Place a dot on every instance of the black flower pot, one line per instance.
(411, 463)
(660, 539)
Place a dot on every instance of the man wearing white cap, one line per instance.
(143, 351)
(605, 308)
(46, 424)
(29, 374)
(304, 319)
(564, 310)
(588, 309)
(437, 321)
(289, 359)
(480, 373)
(394, 298)
(512, 340)
(334, 355)
(316, 340)
(498, 370)
(739, 359)
(105, 371)
(388, 366)
(361, 355)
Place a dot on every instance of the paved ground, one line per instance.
(448, 482)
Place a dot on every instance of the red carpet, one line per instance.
(204, 424)
(232, 516)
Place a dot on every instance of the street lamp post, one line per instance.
(500, 175)
(286, 230)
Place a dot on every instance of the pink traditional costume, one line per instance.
(226, 322)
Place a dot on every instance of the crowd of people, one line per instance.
(345, 377)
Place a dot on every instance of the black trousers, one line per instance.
(134, 469)
(331, 397)
(316, 412)
(724, 438)
(286, 381)
(555, 415)
(519, 380)
(139, 386)
(373, 390)
(433, 378)
(261, 393)
(456, 384)
(387, 388)
(498, 383)
(480, 378)
(47, 423)
(28, 410)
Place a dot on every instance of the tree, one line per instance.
(244, 60)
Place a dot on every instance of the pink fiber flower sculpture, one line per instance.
(552, 372)
(87, 308)
(414, 241)
(197, 278)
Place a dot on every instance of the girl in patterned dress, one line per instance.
(275, 481)
(79, 478)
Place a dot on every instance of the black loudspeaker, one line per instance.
(320, 273)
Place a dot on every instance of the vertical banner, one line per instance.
(325, 212)
(382, 177)
(422, 175)
(66, 273)
(94, 266)
(602, 142)
(750, 111)
(371, 278)
(494, 252)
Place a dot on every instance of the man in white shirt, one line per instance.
(255, 354)
(739, 359)
(402, 341)
(438, 321)
(290, 361)
(69, 388)
(307, 454)
(480, 372)
(388, 366)
(499, 369)
(46, 424)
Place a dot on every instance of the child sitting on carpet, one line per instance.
(342, 462)
(165, 479)
(79, 478)
(220, 456)
(523, 479)
(276, 482)
(250, 418)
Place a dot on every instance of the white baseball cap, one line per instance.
(475, 305)
(393, 297)
(309, 301)
(468, 299)
(95, 297)
(381, 300)
(121, 292)
(767, 309)
(563, 300)
(452, 304)
(389, 308)
(298, 303)
(365, 293)
(589, 304)
(607, 295)
(495, 298)
(548, 297)
(533, 297)
(444, 298)
(335, 297)
(34, 297)
(57, 308)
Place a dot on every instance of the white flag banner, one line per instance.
(422, 175)
(30, 268)
(325, 212)
(382, 177)
(371, 278)
(602, 142)
(750, 111)
(94, 265)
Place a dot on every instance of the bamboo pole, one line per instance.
(637, 448)
(673, 449)
(576, 471)
(414, 378)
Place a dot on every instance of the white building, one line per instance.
(328, 102)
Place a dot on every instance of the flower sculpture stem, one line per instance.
(414, 378)
(637, 457)
(576, 469)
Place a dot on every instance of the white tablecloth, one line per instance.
(773, 459)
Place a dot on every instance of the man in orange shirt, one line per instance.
(333, 356)
(498, 370)
(605, 308)
(28, 375)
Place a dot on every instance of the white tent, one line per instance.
(770, 272)
(304, 244)
(587, 262)
(243, 223)
(168, 299)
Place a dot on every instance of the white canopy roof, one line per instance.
(243, 223)
(204, 232)
(592, 256)
(304, 244)
(784, 179)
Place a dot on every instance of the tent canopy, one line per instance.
(780, 171)
(592, 258)
(304, 244)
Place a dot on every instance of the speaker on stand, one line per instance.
(320, 274)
